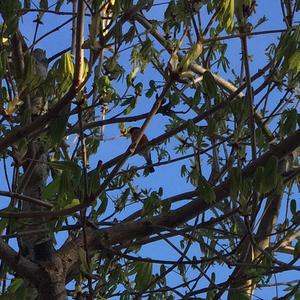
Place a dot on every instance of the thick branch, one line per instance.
(142, 228)
(21, 265)
(26, 198)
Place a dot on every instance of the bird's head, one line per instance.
(40, 55)
(133, 129)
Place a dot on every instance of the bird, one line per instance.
(41, 62)
(134, 133)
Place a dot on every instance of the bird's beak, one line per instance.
(125, 132)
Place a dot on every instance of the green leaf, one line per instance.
(51, 189)
(57, 128)
(3, 62)
(289, 122)
(260, 138)
(121, 202)
(289, 50)
(212, 292)
(103, 83)
(245, 194)
(58, 5)
(43, 4)
(293, 206)
(3, 224)
(151, 204)
(126, 4)
(209, 84)
(297, 293)
(64, 71)
(146, 48)
(239, 10)
(27, 4)
(226, 15)
(294, 62)
(190, 127)
(18, 291)
(143, 275)
(125, 296)
(74, 202)
(174, 98)
(67, 187)
(240, 110)
(212, 126)
(238, 294)
(67, 65)
(206, 191)
(258, 179)
(138, 89)
(132, 103)
(162, 272)
(166, 206)
(12, 25)
(152, 89)
(128, 37)
(93, 181)
(68, 165)
(296, 218)
(270, 176)
(194, 52)
(31, 78)
(235, 182)
(103, 205)
(15, 285)
(160, 191)
(297, 250)
(131, 76)
(113, 68)
(9, 14)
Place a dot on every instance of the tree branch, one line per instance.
(18, 263)
(132, 230)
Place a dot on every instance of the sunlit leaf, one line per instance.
(194, 52)
(13, 106)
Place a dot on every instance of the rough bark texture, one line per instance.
(36, 246)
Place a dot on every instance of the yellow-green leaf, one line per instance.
(13, 106)
(194, 52)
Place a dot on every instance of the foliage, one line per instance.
(221, 114)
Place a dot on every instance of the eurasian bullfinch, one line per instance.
(134, 133)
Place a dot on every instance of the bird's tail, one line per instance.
(149, 162)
